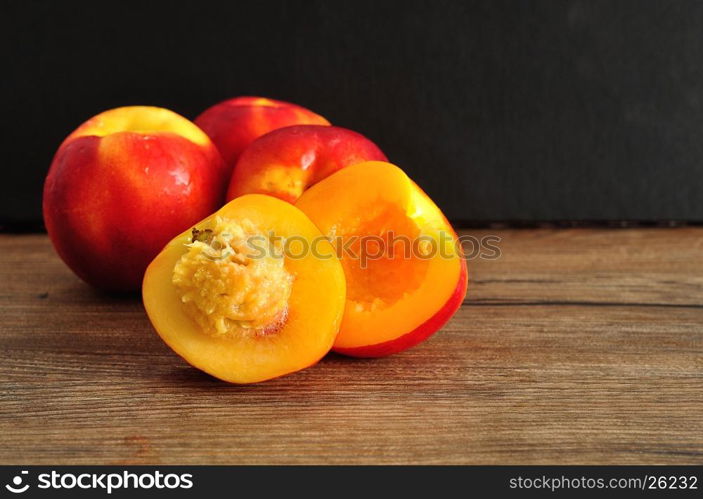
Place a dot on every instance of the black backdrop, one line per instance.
(501, 110)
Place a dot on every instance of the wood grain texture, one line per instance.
(576, 346)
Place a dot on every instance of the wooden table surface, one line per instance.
(576, 346)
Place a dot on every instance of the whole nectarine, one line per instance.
(122, 185)
(235, 123)
(285, 162)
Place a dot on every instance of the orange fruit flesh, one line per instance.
(390, 290)
(184, 308)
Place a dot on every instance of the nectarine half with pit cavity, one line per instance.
(285, 162)
(404, 268)
(122, 185)
(235, 123)
(250, 293)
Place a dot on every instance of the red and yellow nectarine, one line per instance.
(235, 123)
(122, 185)
(285, 162)
(404, 269)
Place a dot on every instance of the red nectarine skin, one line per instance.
(235, 123)
(112, 202)
(285, 162)
(422, 332)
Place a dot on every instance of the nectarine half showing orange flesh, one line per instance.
(235, 123)
(285, 162)
(405, 273)
(250, 293)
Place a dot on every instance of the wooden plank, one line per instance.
(632, 266)
(575, 347)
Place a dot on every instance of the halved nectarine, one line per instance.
(404, 269)
(250, 293)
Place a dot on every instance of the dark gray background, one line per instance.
(501, 110)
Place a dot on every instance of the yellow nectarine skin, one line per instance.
(236, 296)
